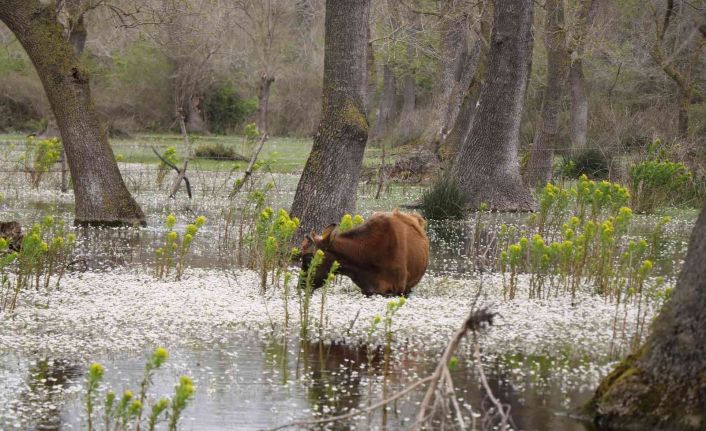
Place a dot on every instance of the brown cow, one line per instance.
(387, 255)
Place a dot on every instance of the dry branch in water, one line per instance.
(440, 379)
(248, 171)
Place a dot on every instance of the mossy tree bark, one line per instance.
(328, 185)
(486, 168)
(663, 385)
(546, 137)
(100, 193)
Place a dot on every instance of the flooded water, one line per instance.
(253, 378)
(260, 382)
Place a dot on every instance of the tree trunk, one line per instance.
(663, 385)
(462, 126)
(195, 122)
(579, 106)
(327, 188)
(100, 193)
(455, 74)
(683, 117)
(386, 110)
(487, 168)
(263, 98)
(406, 125)
(579, 99)
(371, 74)
(546, 137)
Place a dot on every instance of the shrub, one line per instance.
(591, 163)
(659, 183)
(217, 151)
(226, 110)
(444, 200)
(39, 157)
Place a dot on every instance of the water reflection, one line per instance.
(258, 382)
(47, 383)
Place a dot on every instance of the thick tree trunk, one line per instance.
(386, 109)
(663, 385)
(263, 99)
(546, 137)
(327, 188)
(487, 167)
(579, 106)
(100, 193)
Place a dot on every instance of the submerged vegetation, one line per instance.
(128, 411)
(40, 263)
(172, 255)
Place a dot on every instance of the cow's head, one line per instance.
(310, 245)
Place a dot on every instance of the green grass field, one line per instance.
(286, 155)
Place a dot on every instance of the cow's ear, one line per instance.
(325, 238)
(326, 234)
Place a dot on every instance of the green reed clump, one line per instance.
(127, 411)
(305, 292)
(41, 261)
(272, 238)
(239, 222)
(444, 200)
(658, 183)
(174, 250)
(171, 156)
(39, 157)
(371, 330)
(580, 238)
(393, 307)
(95, 375)
(183, 393)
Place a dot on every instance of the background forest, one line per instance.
(636, 68)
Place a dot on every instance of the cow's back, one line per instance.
(416, 246)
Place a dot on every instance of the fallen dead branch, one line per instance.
(438, 381)
(248, 171)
